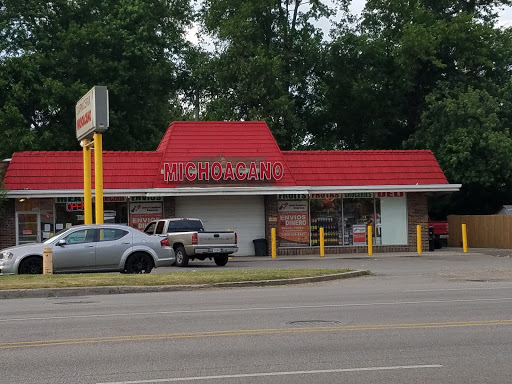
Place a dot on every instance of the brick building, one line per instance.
(233, 175)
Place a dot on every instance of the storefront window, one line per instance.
(345, 218)
(326, 213)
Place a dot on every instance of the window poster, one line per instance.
(141, 214)
(292, 223)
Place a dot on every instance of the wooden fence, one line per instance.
(484, 231)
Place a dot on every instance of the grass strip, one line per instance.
(188, 277)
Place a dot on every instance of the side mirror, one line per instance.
(61, 242)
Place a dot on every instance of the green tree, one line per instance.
(51, 53)
(383, 69)
(463, 128)
(269, 57)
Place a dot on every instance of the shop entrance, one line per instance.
(27, 227)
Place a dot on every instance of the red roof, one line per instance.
(224, 142)
(349, 168)
(209, 141)
(64, 170)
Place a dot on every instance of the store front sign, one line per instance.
(145, 198)
(292, 197)
(390, 194)
(325, 195)
(293, 223)
(79, 199)
(91, 113)
(359, 234)
(360, 195)
(141, 214)
(227, 171)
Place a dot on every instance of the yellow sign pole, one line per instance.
(370, 241)
(322, 242)
(274, 243)
(98, 176)
(464, 239)
(418, 239)
(87, 181)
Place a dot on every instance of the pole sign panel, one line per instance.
(92, 113)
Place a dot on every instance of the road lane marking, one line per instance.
(265, 374)
(227, 310)
(248, 332)
(456, 289)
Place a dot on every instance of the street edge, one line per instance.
(85, 291)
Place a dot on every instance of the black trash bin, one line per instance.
(260, 247)
(431, 239)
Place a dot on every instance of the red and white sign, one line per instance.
(227, 171)
(293, 223)
(390, 194)
(91, 113)
(359, 234)
(141, 214)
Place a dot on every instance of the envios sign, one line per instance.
(92, 113)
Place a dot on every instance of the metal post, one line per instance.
(87, 181)
(370, 241)
(464, 239)
(418, 239)
(47, 261)
(98, 176)
(274, 243)
(322, 242)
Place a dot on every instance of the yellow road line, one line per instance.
(251, 332)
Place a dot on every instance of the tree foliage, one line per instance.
(51, 53)
(269, 58)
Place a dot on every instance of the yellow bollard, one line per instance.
(47, 261)
(322, 242)
(418, 239)
(274, 243)
(464, 239)
(98, 176)
(370, 241)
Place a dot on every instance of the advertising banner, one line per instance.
(292, 223)
(141, 214)
(359, 234)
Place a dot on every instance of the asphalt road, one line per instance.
(442, 317)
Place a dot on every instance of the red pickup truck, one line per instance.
(440, 232)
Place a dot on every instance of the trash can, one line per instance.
(431, 239)
(260, 247)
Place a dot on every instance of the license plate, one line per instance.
(216, 250)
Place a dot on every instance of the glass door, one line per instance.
(27, 227)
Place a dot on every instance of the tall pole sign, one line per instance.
(92, 119)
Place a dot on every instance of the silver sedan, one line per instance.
(91, 248)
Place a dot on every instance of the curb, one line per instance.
(85, 291)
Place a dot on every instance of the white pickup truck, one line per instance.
(190, 241)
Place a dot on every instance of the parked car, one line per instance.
(91, 248)
(190, 241)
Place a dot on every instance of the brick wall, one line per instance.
(417, 210)
(417, 213)
(8, 224)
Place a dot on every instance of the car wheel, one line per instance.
(221, 260)
(31, 266)
(138, 263)
(181, 257)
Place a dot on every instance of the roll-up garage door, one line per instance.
(243, 214)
